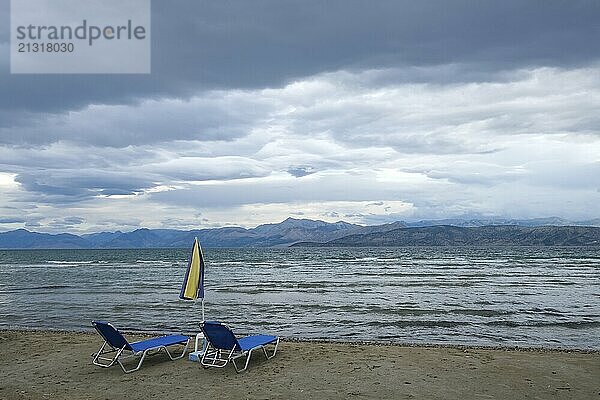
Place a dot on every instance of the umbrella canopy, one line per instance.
(193, 283)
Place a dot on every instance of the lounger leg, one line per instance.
(209, 357)
(146, 352)
(264, 349)
(215, 358)
(136, 368)
(246, 365)
(179, 356)
(249, 354)
(98, 356)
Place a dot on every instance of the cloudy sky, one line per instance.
(363, 111)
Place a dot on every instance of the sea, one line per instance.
(542, 297)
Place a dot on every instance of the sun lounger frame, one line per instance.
(125, 350)
(219, 357)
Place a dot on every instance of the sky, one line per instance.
(362, 111)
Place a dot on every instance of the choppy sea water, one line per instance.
(515, 296)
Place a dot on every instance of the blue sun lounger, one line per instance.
(117, 345)
(223, 346)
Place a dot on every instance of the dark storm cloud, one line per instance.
(248, 44)
(211, 117)
(65, 186)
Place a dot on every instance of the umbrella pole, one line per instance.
(199, 335)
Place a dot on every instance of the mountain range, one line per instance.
(493, 235)
(549, 231)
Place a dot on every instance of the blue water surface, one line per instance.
(499, 296)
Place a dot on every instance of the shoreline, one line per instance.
(42, 364)
(91, 331)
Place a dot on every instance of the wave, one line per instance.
(547, 311)
(481, 312)
(70, 262)
(569, 324)
(418, 324)
(44, 287)
(162, 262)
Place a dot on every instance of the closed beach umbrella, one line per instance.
(193, 283)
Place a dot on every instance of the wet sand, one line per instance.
(57, 365)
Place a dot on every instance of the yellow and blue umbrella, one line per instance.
(193, 283)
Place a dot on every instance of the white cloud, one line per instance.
(360, 212)
(7, 180)
(527, 144)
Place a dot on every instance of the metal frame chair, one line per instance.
(117, 345)
(224, 347)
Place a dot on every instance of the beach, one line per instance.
(57, 365)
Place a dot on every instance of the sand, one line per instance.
(57, 365)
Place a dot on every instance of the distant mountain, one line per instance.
(474, 222)
(445, 235)
(293, 231)
(23, 239)
(101, 238)
(282, 234)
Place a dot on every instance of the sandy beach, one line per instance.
(57, 365)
